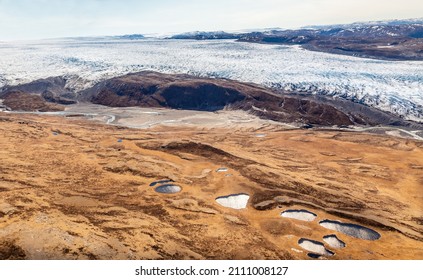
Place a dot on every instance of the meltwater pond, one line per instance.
(168, 188)
(353, 230)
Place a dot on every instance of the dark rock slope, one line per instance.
(52, 89)
(393, 42)
(22, 101)
(150, 89)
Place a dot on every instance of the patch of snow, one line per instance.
(296, 250)
(261, 135)
(235, 201)
(314, 247)
(334, 241)
(222, 169)
(302, 215)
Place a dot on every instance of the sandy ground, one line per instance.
(146, 118)
(77, 189)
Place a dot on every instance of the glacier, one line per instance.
(393, 86)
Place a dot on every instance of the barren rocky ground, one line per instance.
(78, 189)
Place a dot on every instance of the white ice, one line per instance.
(394, 86)
(235, 201)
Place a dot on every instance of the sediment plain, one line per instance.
(73, 188)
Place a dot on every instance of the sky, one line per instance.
(36, 19)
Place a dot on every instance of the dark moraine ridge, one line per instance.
(52, 89)
(181, 91)
(151, 89)
(22, 101)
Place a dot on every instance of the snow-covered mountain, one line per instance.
(368, 31)
(399, 28)
(393, 86)
(393, 40)
(393, 22)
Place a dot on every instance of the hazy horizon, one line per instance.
(39, 19)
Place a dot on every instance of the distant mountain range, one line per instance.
(203, 35)
(130, 37)
(396, 40)
(393, 22)
(391, 39)
(404, 28)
